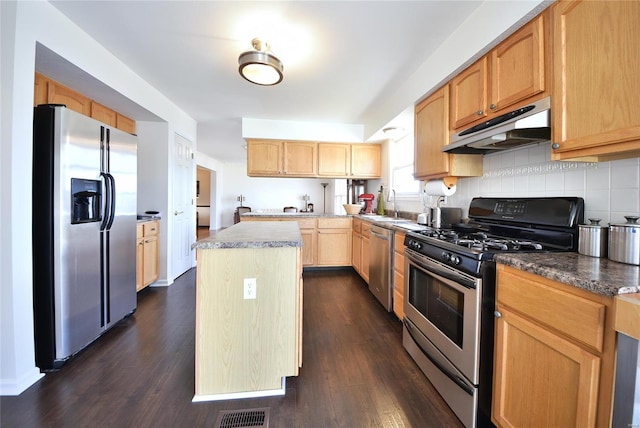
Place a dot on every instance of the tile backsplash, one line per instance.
(610, 190)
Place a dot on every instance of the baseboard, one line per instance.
(17, 386)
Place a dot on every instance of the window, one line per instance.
(401, 159)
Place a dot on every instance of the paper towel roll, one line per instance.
(438, 188)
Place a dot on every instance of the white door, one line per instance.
(183, 186)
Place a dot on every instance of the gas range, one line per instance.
(499, 225)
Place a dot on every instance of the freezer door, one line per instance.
(120, 239)
(76, 245)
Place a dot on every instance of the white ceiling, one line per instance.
(351, 55)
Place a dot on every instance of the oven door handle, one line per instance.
(454, 377)
(433, 269)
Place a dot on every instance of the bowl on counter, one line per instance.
(352, 209)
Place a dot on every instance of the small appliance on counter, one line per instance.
(367, 199)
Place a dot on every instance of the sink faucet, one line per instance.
(395, 206)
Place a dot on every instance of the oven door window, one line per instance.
(439, 303)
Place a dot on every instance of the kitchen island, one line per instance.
(248, 311)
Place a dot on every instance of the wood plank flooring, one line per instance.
(355, 371)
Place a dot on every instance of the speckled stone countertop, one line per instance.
(291, 215)
(254, 234)
(598, 275)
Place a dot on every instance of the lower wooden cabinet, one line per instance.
(326, 240)
(147, 253)
(356, 245)
(398, 275)
(334, 241)
(366, 232)
(554, 353)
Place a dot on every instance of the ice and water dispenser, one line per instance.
(86, 198)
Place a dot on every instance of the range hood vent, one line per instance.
(526, 125)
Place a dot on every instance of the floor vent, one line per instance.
(243, 418)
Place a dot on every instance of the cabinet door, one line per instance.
(596, 107)
(139, 264)
(125, 124)
(518, 66)
(334, 247)
(398, 275)
(334, 160)
(59, 94)
(469, 94)
(309, 246)
(150, 263)
(103, 114)
(431, 134)
(364, 258)
(264, 158)
(541, 379)
(365, 160)
(300, 158)
(356, 250)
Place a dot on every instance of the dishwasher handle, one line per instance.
(386, 236)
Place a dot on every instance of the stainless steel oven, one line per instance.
(450, 291)
(444, 304)
(442, 330)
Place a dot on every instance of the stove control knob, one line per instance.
(446, 257)
(456, 260)
(415, 244)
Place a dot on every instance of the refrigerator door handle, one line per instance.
(107, 202)
(112, 209)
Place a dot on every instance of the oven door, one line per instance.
(444, 305)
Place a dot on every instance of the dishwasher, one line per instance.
(381, 264)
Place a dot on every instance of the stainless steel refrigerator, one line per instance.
(84, 231)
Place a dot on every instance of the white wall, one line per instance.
(610, 190)
(22, 25)
(269, 194)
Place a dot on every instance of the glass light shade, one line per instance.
(260, 68)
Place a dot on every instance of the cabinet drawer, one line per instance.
(579, 318)
(399, 242)
(139, 230)
(307, 223)
(366, 228)
(150, 228)
(398, 262)
(334, 223)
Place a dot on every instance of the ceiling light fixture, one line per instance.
(260, 66)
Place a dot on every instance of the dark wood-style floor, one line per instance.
(141, 373)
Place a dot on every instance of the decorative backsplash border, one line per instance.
(539, 168)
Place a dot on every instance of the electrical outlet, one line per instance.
(249, 288)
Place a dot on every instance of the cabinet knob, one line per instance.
(555, 146)
(492, 106)
(497, 314)
(479, 112)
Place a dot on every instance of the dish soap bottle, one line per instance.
(380, 202)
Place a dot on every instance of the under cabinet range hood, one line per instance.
(526, 125)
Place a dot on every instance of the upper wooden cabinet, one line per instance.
(334, 160)
(349, 160)
(511, 75)
(281, 158)
(48, 91)
(103, 114)
(595, 105)
(273, 158)
(431, 134)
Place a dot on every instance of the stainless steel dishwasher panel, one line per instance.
(381, 265)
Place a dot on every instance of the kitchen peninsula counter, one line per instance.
(598, 275)
(248, 311)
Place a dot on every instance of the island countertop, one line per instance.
(598, 275)
(254, 235)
